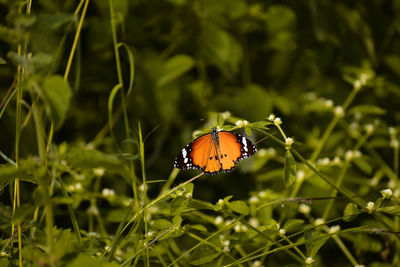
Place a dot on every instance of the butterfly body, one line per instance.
(216, 152)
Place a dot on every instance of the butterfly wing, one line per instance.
(199, 154)
(205, 154)
(233, 148)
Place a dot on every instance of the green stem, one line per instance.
(141, 148)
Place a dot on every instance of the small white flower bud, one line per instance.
(369, 128)
(282, 231)
(99, 172)
(218, 220)
(277, 121)
(226, 115)
(304, 208)
(271, 117)
(370, 207)
(309, 260)
(339, 111)
(394, 143)
(289, 141)
(253, 200)
(334, 229)
(386, 193)
(319, 221)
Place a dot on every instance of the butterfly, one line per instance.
(216, 152)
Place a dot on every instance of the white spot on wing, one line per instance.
(244, 142)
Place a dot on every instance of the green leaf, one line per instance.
(292, 224)
(240, 207)
(161, 224)
(2, 61)
(22, 212)
(364, 242)
(51, 22)
(92, 158)
(39, 196)
(56, 94)
(220, 48)
(30, 169)
(175, 67)
(203, 254)
(84, 260)
(220, 120)
(363, 165)
(198, 227)
(289, 169)
(314, 241)
(350, 212)
(393, 210)
(367, 109)
(178, 204)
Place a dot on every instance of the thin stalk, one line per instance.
(141, 148)
(123, 103)
(37, 116)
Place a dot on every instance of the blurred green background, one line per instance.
(296, 59)
(194, 59)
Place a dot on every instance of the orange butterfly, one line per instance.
(215, 152)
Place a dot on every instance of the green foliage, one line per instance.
(83, 185)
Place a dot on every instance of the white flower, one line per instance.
(392, 130)
(359, 265)
(304, 208)
(370, 207)
(262, 194)
(289, 141)
(364, 77)
(394, 143)
(254, 222)
(225, 242)
(319, 221)
(329, 103)
(374, 181)
(99, 172)
(218, 220)
(108, 192)
(256, 264)
(324, 161)
(334, 229)
(369, 128)
(92, 210)
(339, 111)
(220, 202)
(282, 231)
(93, 234)
(336, 160)
(237, 228)
(357, 84)
(3, 254)
(226, 250)
(300, 175)
(226, 115)
(142, 187)
(309, 260)
(386, 193)
(277, 121)
(253, 199)
(349, 155)
(271, 117)
(242, 123)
